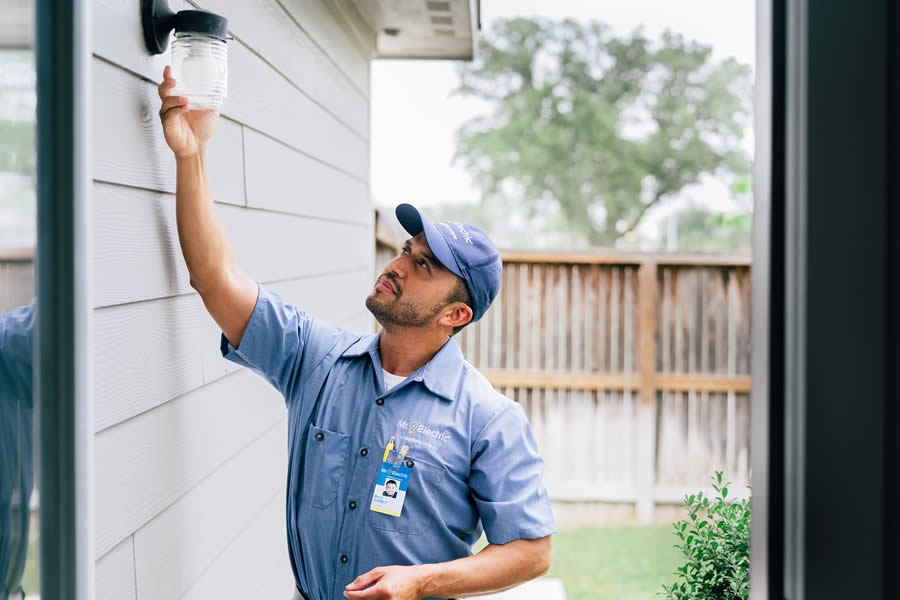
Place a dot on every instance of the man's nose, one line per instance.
(396, 268)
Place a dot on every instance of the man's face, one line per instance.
(413, 289)
(391, 488)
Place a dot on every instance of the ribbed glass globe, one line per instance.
(200, 70)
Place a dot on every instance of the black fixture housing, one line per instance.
(158, 20)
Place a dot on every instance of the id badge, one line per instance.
(392, 484)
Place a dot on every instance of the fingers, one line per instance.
(165, 88)
(376, 592)
(365, 580)
(173, 103)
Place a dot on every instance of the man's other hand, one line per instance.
(387, 583)
(186, 130)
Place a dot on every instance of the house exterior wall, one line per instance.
(190, 450)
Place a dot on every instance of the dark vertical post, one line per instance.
(835, 312)
(892, 276)
(63, 373)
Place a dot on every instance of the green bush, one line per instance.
(716, 543)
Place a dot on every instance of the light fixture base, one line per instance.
(158, 20)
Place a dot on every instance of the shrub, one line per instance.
(716, 543)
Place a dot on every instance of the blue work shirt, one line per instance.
(475, 464)
(16, 442)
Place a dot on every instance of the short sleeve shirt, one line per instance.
(474, 461)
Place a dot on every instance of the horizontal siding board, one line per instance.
(145, 354)
(114, 573)
(137, 255)
(317, 20)
(174, 549)
(266, 28)
(254, 565)
(332, 298)
(260, 97)
(280, 178)
(363, 323)
(150, 352)
(146, 463)
(129, 146)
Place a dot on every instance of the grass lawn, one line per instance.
(30, 581)
(614, 563)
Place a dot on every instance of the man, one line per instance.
(390, 489)
(401, 403)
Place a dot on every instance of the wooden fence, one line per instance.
(634, 370)
(16, 279)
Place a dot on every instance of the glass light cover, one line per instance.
(200, 70)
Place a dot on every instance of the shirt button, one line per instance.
(410, 464)
(363, 451)
(380, 401)
(352, 505)
(344, 558)
(320, 436)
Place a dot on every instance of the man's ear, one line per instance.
(456, 314)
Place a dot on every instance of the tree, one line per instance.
(702, 230)
(596, 129)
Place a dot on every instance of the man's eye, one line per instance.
(423, 262)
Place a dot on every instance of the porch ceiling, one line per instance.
(429, 29)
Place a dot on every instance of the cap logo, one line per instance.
(462, 230)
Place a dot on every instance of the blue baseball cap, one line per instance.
(465, 250)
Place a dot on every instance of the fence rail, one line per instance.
(634, 369)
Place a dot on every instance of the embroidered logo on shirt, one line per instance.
(414, 427)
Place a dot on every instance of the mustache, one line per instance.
(393, 279)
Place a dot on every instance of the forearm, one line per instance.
(204, 245)
(494, 569)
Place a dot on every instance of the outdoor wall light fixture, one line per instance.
(199, 54)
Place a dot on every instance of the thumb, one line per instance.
(365, 580)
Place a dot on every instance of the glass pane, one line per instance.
(18, 461)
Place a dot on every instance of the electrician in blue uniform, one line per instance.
(402, 402)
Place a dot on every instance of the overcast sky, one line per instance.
(414, 118)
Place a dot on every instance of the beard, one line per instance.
(401, 313)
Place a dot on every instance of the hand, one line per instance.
(388, 583)
(186, 130)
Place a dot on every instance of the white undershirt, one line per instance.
(390, 380)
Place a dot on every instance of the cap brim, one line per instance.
(415, 223)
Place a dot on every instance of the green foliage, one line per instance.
(596, 129)
(17, 148)
(716, 543)
(700, 230)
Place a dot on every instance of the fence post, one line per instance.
(646, 413)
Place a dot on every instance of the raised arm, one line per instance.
(228, 293)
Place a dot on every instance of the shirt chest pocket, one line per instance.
(323, 466)
(422, 505)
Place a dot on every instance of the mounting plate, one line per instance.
(157, 20)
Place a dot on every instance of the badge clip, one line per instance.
(401, 455)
